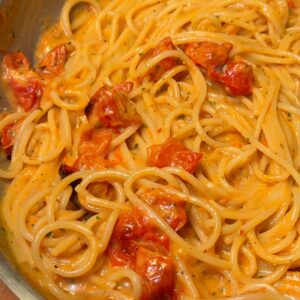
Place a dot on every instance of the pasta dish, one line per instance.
(153, 151)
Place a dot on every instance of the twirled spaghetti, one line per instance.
(155, 151)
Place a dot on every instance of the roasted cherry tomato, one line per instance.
(131, 231)
(166, 64)
(26, 84)
(110, 107)
(168, 206)
(208, 54)
(54, 62)
(173, 154)
(93, 149)
(157, 274)
(8, 137)
(236, 77)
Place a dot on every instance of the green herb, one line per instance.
(97, 218)
(49, 235)
(182, 116)
(289, 116)
(141, 54)
(135, 147)
(211, 102)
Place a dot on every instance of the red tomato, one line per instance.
(208, 54)
(108, 106)
(26, 85)
(122, 250)
(157, 274)
(28, 94)
(166, 64)
(291, 4)
(16, 61)
(92, 150)
(54, 62)
(133, 230)
(138, 244)
(173, 154)
(236, 76)
(8, 137)
(168, 206)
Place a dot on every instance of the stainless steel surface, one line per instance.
(24, 20)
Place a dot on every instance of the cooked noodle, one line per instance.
(242, 235)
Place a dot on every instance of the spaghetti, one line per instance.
(155, 151)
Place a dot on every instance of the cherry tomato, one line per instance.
(166, 64)
(208, 54)
(110, 107)
(173, 154)
(26, 84)
(168, 206)
(92, 150)
(8, 137)
(132, 231)
(157, 274)
(54, 62)
(236, 76)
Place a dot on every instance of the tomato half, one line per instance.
(173, 153)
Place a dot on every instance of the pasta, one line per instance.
(154, 151)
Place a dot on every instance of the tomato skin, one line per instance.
(54, 62)
(138, 244)
(166, 64)
(168, 206)
(157, 274)
(131, 231)
(108, 106)
(8, 137)
(208, 54)
(122, 250)
(28, 95)
(173, 153)
(16, 61)
(291, 4)
(26, 85)
(236, 76)
(125, 87)
(92, 150)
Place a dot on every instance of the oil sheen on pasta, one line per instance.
(154, 151)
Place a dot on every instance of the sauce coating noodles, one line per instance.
(155, 151)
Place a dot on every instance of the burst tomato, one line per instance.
(208, 54)
(173, 154)
(236, 76)
(110, 107)
(166, 64)
(168, 206)
(26, 85)
(93, 149)
(157, 274)
(8, 137)
(54, 62)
